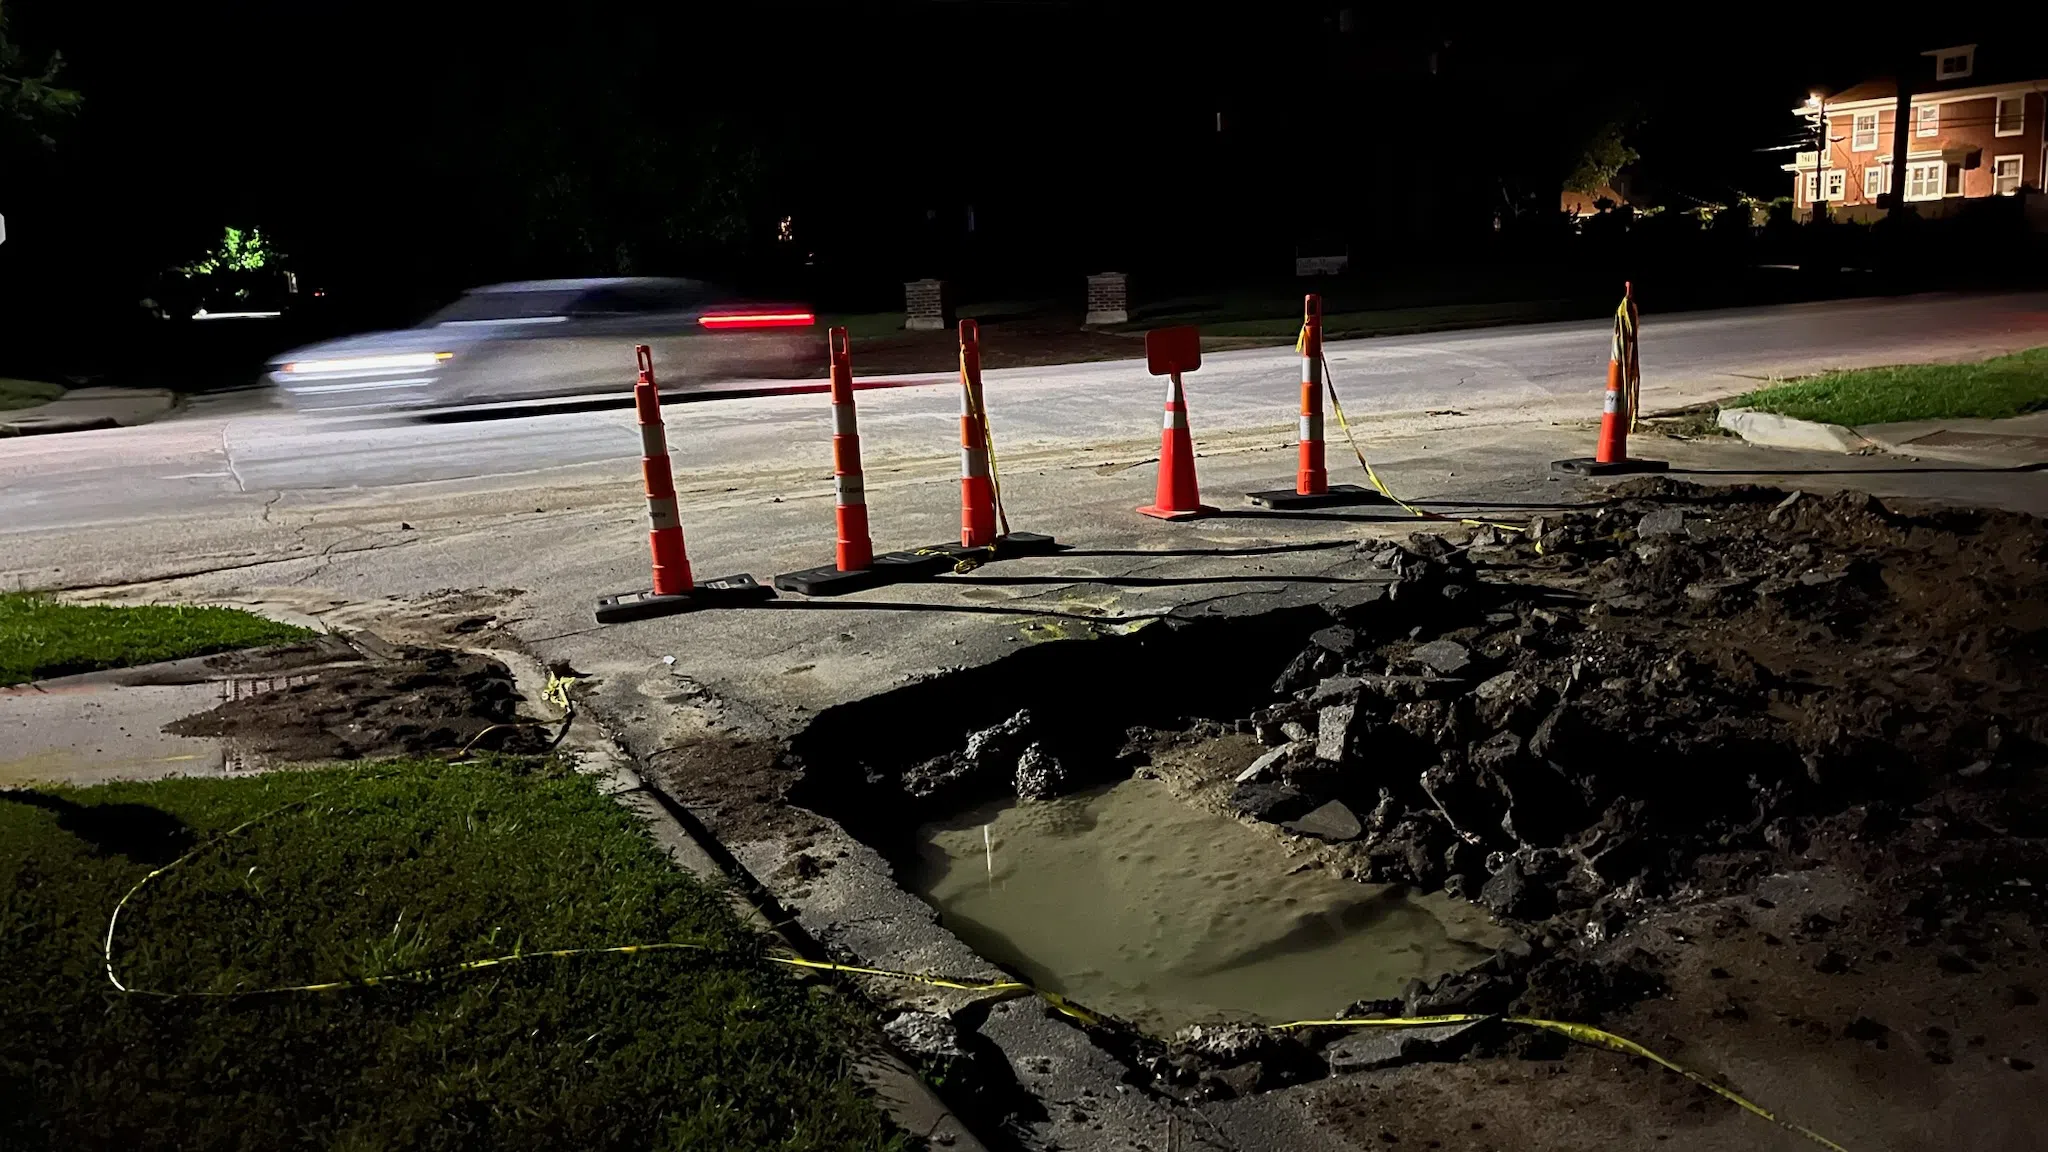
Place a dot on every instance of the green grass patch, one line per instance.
(388, 868)
(1994, 389)
(27, 393)
(41, 637)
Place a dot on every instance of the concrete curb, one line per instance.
(1772, 431)
(898, 1089)
(38, 425)
(91, 410)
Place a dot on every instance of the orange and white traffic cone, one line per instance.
(857, 566)
(1170, 352)
(977, 487)
(856, 550)
(1311, 474)
(673, 588)
(1624, 381)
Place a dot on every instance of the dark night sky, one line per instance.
(415, 143)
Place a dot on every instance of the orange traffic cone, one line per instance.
(1312, 487)
(673, 589)
(1624, 381)
(977, 485)
(1170, 352)
(857, 566)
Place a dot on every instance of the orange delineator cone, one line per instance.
(977, 488)
(1624, 377)
(664, 523)
(855, 550)
(673, 588)
(1311, 475)
(1312, 488)
(1177, 497)
(858, 567)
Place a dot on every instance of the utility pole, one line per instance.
(1819, 202)
(1895, 202)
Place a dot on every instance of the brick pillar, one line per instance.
(927, 305)
(1109, 299)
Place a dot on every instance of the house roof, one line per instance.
(1993, 67)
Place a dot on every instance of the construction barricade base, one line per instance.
(722, 592)
(1337, 495)
(910, 567)
(1001, 548)
(1587, 466)
(887, 568)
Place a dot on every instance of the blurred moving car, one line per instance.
(541, 338)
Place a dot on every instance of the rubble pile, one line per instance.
(1568, 719)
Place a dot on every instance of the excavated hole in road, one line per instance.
(1650, 702)
(1125, 882)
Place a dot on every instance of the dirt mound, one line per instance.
(422, 701)
(1589, 708)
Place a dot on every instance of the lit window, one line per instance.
(1863, 138)
(1836, 183)
(1925, 179)
(2005, 175)
(1877, 180)
(2011, 115)
(1929, 118)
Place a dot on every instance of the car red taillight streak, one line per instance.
(728, 321)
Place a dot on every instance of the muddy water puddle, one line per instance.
(1137, 903)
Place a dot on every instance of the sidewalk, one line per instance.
(86, 409)
(2018, 441)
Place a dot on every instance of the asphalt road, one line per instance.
(230, 449)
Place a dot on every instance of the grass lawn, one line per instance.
(27, 393)
(1992, 389)
(40, 637)
(395, 867)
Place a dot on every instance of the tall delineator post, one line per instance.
(977, 485)
(672, 589)
(1312, 488)
(1617, 410)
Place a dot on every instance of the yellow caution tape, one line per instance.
(1338, 406)
(977, 403)
(1582, 1034)
(1579, 1033)
(965, 984)
(1586, 1034)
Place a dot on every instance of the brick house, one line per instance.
(1976, 129)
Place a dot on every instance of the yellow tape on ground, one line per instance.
(1582, 1034)
(1337, 406)
(1579, 1033)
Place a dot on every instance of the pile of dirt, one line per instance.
(419, 702)
(1656, 700)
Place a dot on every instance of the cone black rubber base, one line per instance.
(888, 568)
(1587, 466)
(907, 567)
(1337, 495)
(1004, 547)
(722, 592)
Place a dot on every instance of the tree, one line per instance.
(1602, 156)
(31, 100)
